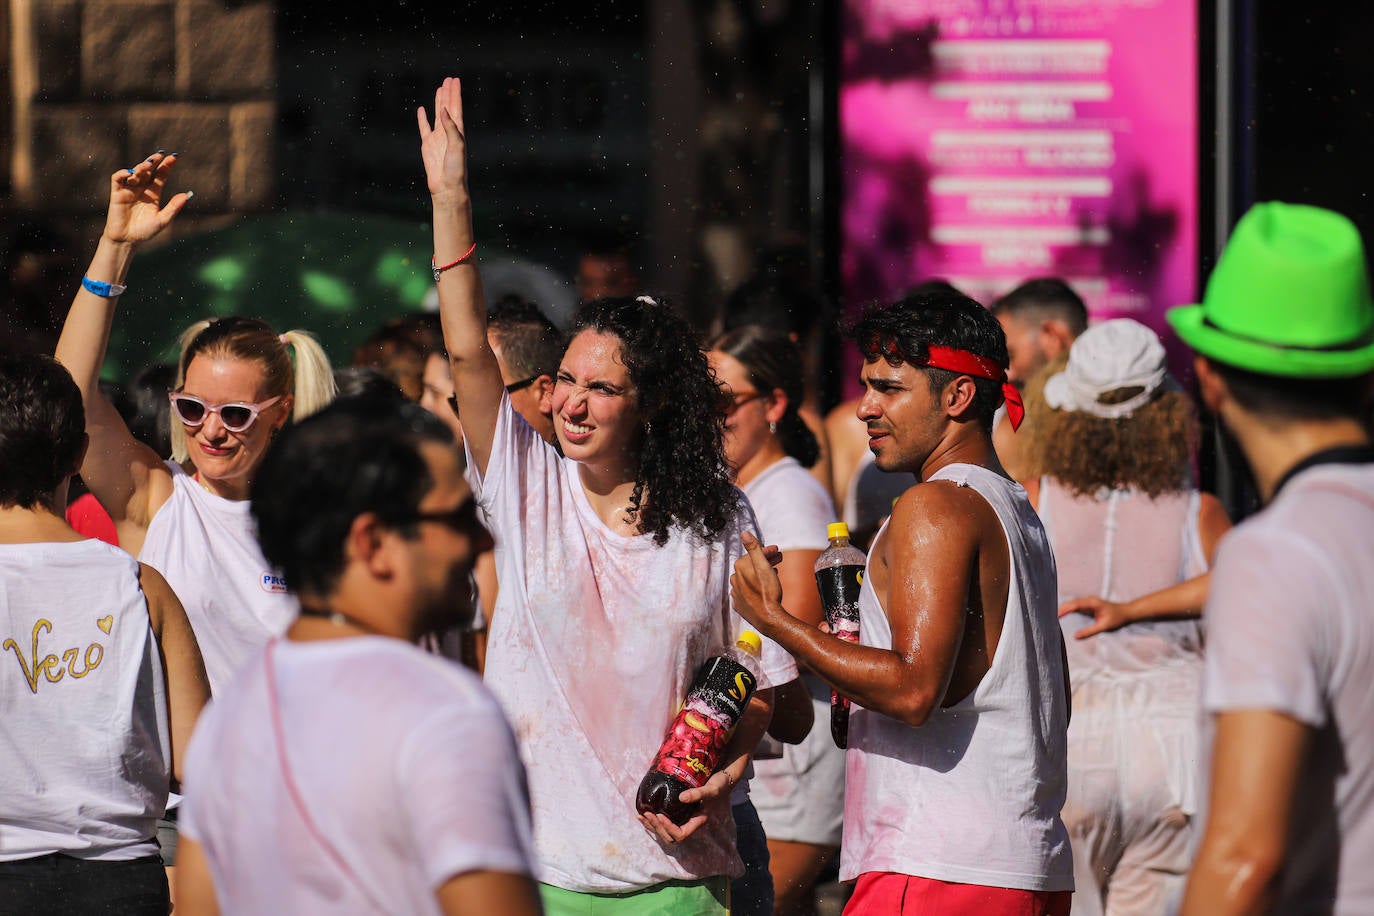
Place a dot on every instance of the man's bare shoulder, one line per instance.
(938, 495)
(939, 508)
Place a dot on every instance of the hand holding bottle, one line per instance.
(686, 770)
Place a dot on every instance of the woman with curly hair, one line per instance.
(614, 561)
(1112, 440)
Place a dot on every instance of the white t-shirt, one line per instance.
(83, 710)
(594, 643)
(401, 760)
(206, 547)
(973, 795)
(799, 796)
(792, 507)
(1291, 629)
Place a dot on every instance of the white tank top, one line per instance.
(973, 795)
(207, 549)
(83, 709)
(1121, 544)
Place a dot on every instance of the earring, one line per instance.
(773, 427)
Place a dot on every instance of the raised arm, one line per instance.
(188, 687)
(462, 305)
(127, 477)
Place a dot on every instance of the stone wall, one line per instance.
(99, 84)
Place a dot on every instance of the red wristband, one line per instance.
(437, 270)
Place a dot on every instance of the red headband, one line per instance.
(966, 363)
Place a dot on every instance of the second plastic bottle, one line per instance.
(839, 576)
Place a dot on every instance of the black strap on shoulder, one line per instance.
(1341, 454)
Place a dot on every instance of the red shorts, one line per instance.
(879, 893)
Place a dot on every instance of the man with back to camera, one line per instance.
(1042, 318)
(956, 765)
(1284, 344)
(389, 775)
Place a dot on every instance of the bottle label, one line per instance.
(839, 587)
(692, 749)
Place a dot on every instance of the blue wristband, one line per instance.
(101, 288)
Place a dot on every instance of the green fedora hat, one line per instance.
(1289, 296)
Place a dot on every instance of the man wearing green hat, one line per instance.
(1284, 340)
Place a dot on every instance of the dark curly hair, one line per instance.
(774, 362)
(682, 479)
(42, 429)
(904, 331)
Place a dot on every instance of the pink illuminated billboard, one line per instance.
(985, 142)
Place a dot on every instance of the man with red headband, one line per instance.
(956, 764)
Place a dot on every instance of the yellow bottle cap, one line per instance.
(750, 642)
(836, 530)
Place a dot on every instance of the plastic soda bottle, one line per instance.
(839, 576)
(691, 750)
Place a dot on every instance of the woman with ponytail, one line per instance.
(238, 382)
(800, 796)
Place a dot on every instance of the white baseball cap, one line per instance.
(1116, 354)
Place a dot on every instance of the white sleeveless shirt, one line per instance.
(83, 709)
(973, 795)
(206, 548)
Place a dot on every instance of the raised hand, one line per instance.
(442, 144)
(136, 211)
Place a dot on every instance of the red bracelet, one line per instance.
(436, 269)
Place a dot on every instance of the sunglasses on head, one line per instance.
(235, 416)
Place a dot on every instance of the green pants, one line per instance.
(707, 897)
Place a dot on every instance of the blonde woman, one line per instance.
(238, 382)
